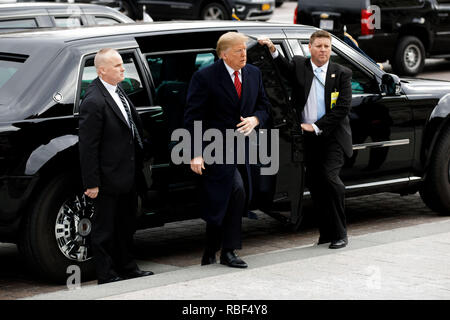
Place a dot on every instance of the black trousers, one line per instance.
(228, 236)
(324, 160)
(112, 234)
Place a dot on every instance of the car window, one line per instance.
(443, 1)
(361, 82)
(280, 49)
(9, 67)
(396, 3)
(105, 20)
(13, 76)
(132, 84)
(18, 23)
(171, 73)
(68, 21)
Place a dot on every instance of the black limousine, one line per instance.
(401, 130)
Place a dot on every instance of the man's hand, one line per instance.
(307, 127)
(197, 164)
(268, 43)
(92, 192)
(247, 125)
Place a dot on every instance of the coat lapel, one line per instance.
(245, 91)
(110, 101)
(225, 80)
(308, 76)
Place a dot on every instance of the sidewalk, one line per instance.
(403, 263)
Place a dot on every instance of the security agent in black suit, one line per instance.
(322, 95)
(110, 146)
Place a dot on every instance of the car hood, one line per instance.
(425, 87)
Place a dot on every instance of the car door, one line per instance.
(172, 60)
(442, 27)
(382, 125)
(168, 10)
(283, 191)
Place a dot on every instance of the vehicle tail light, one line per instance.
(366, 26)
(295, 14)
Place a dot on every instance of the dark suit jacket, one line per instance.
(109, 156)
(335, 122)
(212, 98)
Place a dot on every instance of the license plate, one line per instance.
(326, 24)
(265, 7)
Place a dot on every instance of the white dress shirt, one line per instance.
(112, 91)
(309, 113)
(231, 72)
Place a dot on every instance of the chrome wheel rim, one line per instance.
(412, 56)
(214, 13)
(73, 228)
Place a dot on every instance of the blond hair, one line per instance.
(319, 34)
(228, 39)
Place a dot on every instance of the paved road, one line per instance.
(405, 263)
(179, 245)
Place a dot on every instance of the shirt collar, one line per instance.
(108, 86)
(230, 69)
(324, 67)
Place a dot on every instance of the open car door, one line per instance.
(272, 193)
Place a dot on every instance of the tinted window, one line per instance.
(396, 3)
(171, 75)
(177, 67)
(19, 23)
(68, 21)
(9, 65)
(105, 21)
(443, 1)
(132, 85)
(361, 82)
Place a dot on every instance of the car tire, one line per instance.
(214, 11)
(435, 191)
(409, 58)
(38, 240)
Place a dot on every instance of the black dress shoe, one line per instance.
(137, 274)
(323, 240)
(208, 258)
(337, 244)
(229, 258)
(113, 279)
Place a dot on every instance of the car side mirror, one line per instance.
(391, 85)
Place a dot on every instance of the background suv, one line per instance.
(410, 30)
(20, 16)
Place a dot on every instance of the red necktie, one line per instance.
(237, 83)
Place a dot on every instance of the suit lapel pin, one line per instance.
(333, 75)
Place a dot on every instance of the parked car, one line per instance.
(410, 30)
(401, 130)
(22, 16)
(201, 9)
